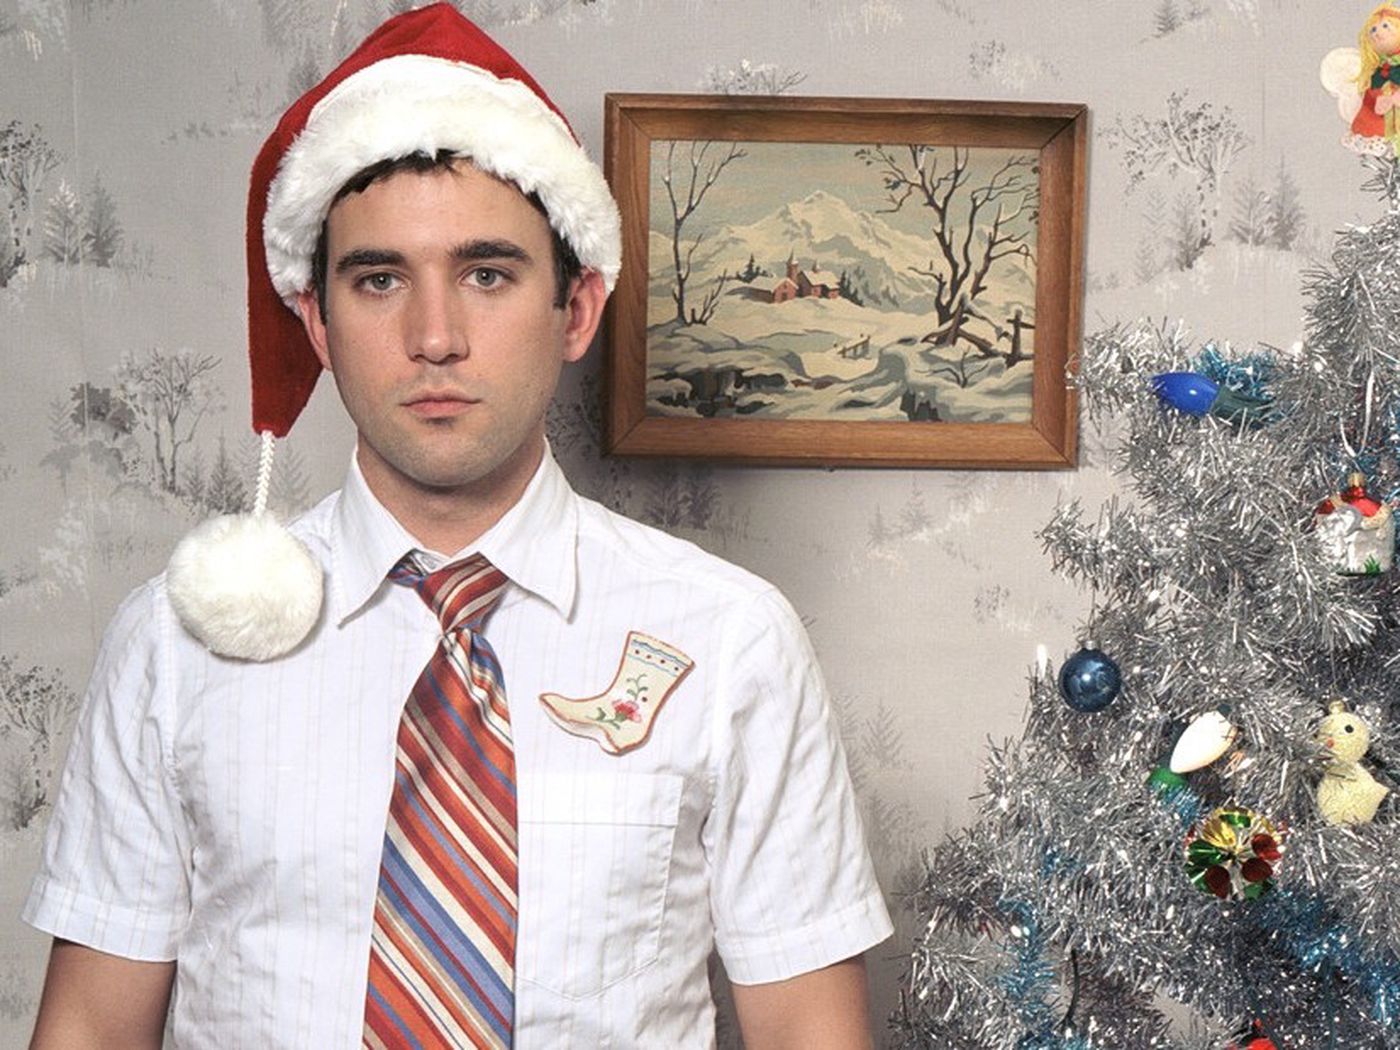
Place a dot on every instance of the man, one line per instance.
(615, 751)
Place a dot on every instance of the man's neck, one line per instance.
(446, 520)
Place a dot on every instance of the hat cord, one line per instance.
(264, 474)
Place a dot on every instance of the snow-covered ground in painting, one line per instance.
(797, 372)
(828, 358)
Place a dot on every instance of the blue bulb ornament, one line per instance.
(1090, 680)
(1189, 392)
(1198, 395)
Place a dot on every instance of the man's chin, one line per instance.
(459, 477)
(469, 468)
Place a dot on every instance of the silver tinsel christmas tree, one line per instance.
(1103, 900)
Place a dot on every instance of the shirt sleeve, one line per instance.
(792, 885)
(113, 874)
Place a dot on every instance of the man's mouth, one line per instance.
(438, 405)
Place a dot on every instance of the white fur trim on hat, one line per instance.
(245, 586)
(410, 103)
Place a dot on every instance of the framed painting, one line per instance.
(887, 282)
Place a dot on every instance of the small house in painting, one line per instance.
(784, 290)
(797, 285)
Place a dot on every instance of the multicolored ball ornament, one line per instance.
(1233, 854)
(1199, 395)
(1357, 531)
(1090, 680)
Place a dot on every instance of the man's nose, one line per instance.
(439, 323)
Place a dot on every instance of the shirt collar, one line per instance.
(534, 543)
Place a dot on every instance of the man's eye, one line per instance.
(486, 277)
(378, 282)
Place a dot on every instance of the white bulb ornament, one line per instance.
(1207, 738)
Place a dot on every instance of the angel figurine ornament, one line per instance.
(1366, 82)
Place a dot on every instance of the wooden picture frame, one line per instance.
(693, 384)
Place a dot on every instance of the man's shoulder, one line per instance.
(660, 555)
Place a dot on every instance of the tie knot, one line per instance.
(461, 593)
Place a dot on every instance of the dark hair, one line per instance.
(566, 264)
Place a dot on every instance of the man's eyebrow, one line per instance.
(467, 251)
(358, 257)
(476, 251)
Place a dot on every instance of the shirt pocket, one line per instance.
(595, 854)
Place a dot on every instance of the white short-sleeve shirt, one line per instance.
(231, 815)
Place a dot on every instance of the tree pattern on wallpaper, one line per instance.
(26, 162)
(1199, 141)
(1008, 66)
(36, 705)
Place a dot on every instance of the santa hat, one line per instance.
(423, 82)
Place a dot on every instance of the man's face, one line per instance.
(441, 330)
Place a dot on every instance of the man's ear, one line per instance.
(584, 309)
(309, 308)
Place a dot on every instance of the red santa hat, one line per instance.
(423, 82)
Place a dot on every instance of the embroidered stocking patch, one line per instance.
(620, 717)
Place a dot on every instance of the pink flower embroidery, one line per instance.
(627, 709)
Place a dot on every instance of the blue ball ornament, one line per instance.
(1190, 392)
(1090, 680)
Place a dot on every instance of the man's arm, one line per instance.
(821, 1010)
(95, 1000)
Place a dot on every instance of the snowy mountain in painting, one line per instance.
(825, 236)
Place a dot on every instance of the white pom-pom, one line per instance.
(245, 586)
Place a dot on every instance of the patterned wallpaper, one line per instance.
(126, 131)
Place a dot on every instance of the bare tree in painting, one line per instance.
(36, 706)
(26, 161)
(170, 391)
(710, 300)
(977, 219)
(962, 372)
(700, 170)
(1200, 141)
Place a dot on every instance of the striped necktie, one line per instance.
(442, 952)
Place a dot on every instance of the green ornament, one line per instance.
(1165, 783)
